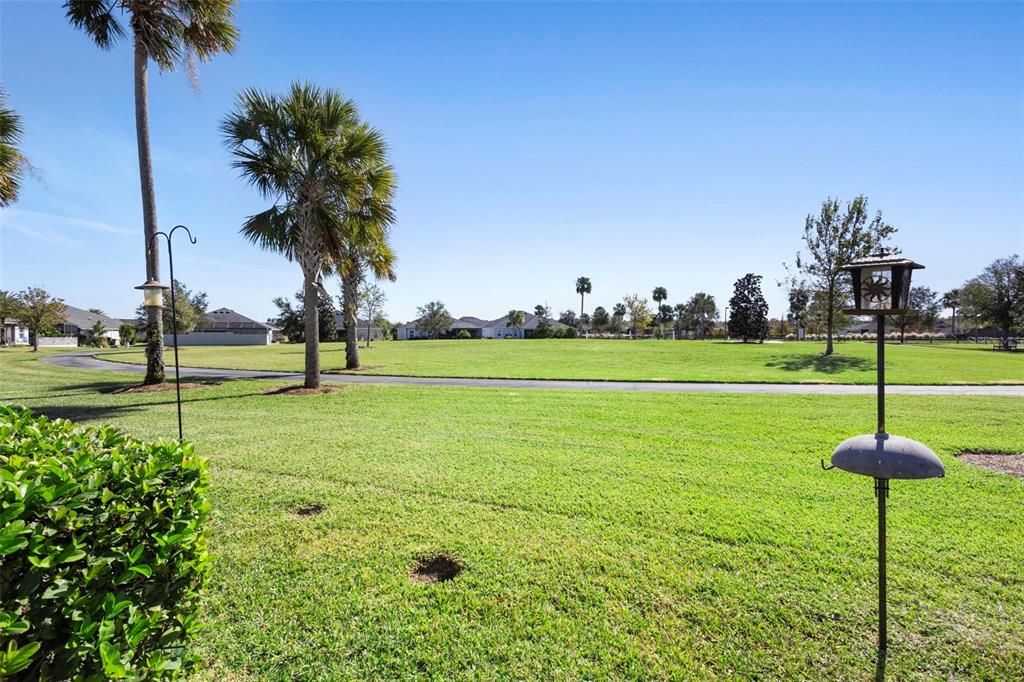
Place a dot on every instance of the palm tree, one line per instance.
(516, 318)
(366, 252)
(951, 300)
(11, 159)
(310, 154)
(169, 32)
(618, 314)
(582, 288)
(659, 294)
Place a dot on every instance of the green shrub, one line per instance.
(463, 334)
(569, 333)
(102, 551)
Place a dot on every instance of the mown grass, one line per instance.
(604, 534)
(621, 360)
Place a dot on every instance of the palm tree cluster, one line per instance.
(697, 316)
(326, 172)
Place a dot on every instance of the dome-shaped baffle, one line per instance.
(880, 455)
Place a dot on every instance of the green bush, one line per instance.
(463, 334)
(569, 333)
(102, 551)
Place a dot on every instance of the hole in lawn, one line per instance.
(310, 509)
(435, 569)
(1000, 462)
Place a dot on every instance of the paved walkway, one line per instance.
(86, 361)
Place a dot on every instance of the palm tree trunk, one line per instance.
(580, 322)
(349, 294)
(311, 317)
(155, 339)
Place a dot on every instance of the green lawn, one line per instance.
(919, 363)
(605, 534)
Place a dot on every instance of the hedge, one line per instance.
(102, 551)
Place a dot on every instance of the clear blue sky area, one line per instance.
(676, 145)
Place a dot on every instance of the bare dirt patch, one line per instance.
(438, 568)
(298, 389)
(160, 388)
(1012, 465)
(310, 509)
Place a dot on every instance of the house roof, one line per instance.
(223, 319)
(469, 322)
(530, 321)
(84, 319)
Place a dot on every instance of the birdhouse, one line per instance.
(881, 284)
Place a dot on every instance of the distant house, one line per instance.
(14, 333)
(225, 327)
(500, 328)
(376, 333)
(79, 323)
(479, 329)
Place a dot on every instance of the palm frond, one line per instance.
(95, 17)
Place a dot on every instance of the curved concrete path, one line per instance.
(87, 361)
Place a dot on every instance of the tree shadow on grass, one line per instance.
(825, 364)
(80, 413)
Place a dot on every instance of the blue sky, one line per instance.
(677, 145)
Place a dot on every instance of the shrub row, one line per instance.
(102, 551)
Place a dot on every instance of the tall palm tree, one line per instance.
(659, 294)
(516, 318)
(11, 159)
(168, 32)
(309, 153)
(582, 288)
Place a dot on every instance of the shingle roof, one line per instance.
(84, 319)
(530, 321)
(468, 322)
(225, 319)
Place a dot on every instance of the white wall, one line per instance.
(218, 339)
(58, 341)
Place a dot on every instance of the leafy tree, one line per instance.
(543, 330)
(951, 300)
(639, 313)
(568, 317)
(12, 161)
(384, 325)
(289, 318)
(189, 305)
(328, 327)
(542, 310)
(799, 300)
(308, 152)
(748, 311)
(516, 319)
(996, 296)
(583, 287)
(371, 299)
(168, 32)
(921, 313)
(127, 332)
(833, 238)
(434, 318)
(585, 321)
(700, 313)
(659, 295)
(600, 319)
(666, 313)
(40, 313)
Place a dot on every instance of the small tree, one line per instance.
(542, 310)
(799, 299)
(568, 318)
(382, 323)
(41, 313)
(371, 299)
(128, 333)
(434, 318)
(516, 319)
(951, 300)
(701, 311)
(290, 319)
(921, 313)
(639, 312)
(834, 238)
(600, 319)
(96, 335)
(326, 311)
(748, 311)
(996, 296)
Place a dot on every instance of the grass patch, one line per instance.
(615, 360)
(607, 534)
